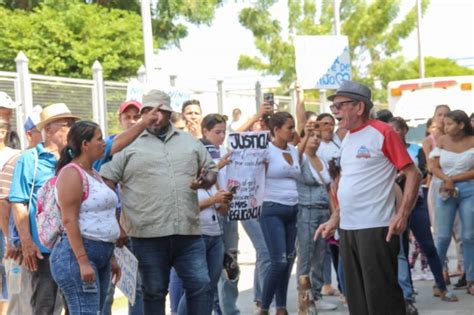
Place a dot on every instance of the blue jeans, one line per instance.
(262, 261)
(81, 297)
(176, 290)
(278, 224)
(215, 259)
(419, 224)
(156, 256)
(311, 253)
(327, 261)
(404, 274)
(446, 212)
(228, 290)
(340, 275)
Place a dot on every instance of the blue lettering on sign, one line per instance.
(338, 72)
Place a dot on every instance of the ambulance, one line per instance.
(415, 100)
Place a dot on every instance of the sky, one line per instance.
(211, 53)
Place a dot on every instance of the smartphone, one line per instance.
(268, 98)
(202, 175)
(233, 189)
(89, 287)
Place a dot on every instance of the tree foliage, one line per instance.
(65, 37)
(66, 40)
(374, 29)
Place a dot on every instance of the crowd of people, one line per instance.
(351, 200)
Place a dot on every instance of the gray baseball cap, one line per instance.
(156, 98)
(354, 90)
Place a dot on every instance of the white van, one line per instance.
(415, 100)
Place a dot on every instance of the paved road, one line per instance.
(425, 302)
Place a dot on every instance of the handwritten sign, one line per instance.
(178, 97)
(129, 267)
(322, 62)
(135, 90)
(247, 172)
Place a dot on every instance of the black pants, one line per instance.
(370, 272)
(45, 298)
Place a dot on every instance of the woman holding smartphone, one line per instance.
(453, 164)
(212, 203)
(280, 208)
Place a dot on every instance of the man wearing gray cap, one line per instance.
(370, 224)
(158, 175)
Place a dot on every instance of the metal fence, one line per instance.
(99, 100)
(89, 99)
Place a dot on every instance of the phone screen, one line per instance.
(268, 98)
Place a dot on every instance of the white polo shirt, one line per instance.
(370, 157)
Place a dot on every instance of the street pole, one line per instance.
(337, 20)
(147, 40)
(421, 59)
(324, 107)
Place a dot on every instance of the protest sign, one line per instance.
(135, 90)
(322, 62)
(129, 267)
(178, 97)
(246, 171)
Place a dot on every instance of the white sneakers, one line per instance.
(321, 305)
(425, 275)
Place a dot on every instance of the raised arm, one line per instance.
(308, 129)
(128, 136)
(264, 109)
(300, 108)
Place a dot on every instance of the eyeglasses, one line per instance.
(339, 105)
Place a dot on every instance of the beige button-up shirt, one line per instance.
(155, 178)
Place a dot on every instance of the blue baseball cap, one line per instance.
(33, 118)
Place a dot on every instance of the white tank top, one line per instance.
(453, 163)
(97, 220)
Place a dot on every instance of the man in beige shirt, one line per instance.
(158, 175)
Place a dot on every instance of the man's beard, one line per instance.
(159, 130)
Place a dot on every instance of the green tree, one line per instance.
(65, 37)
(374, 29)
(65, 40)
(170, 18)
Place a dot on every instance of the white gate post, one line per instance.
(99, 110)
(220, 97)
(23, 95)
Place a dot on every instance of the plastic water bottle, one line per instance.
(15, 278)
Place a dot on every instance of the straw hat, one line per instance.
(54, 112)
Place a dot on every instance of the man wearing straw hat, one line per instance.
(34, 167)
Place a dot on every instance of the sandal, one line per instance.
(437, 291)
(448, 296)
(470, 288)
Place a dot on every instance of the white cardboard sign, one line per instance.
(129, 266)
(322, 62)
